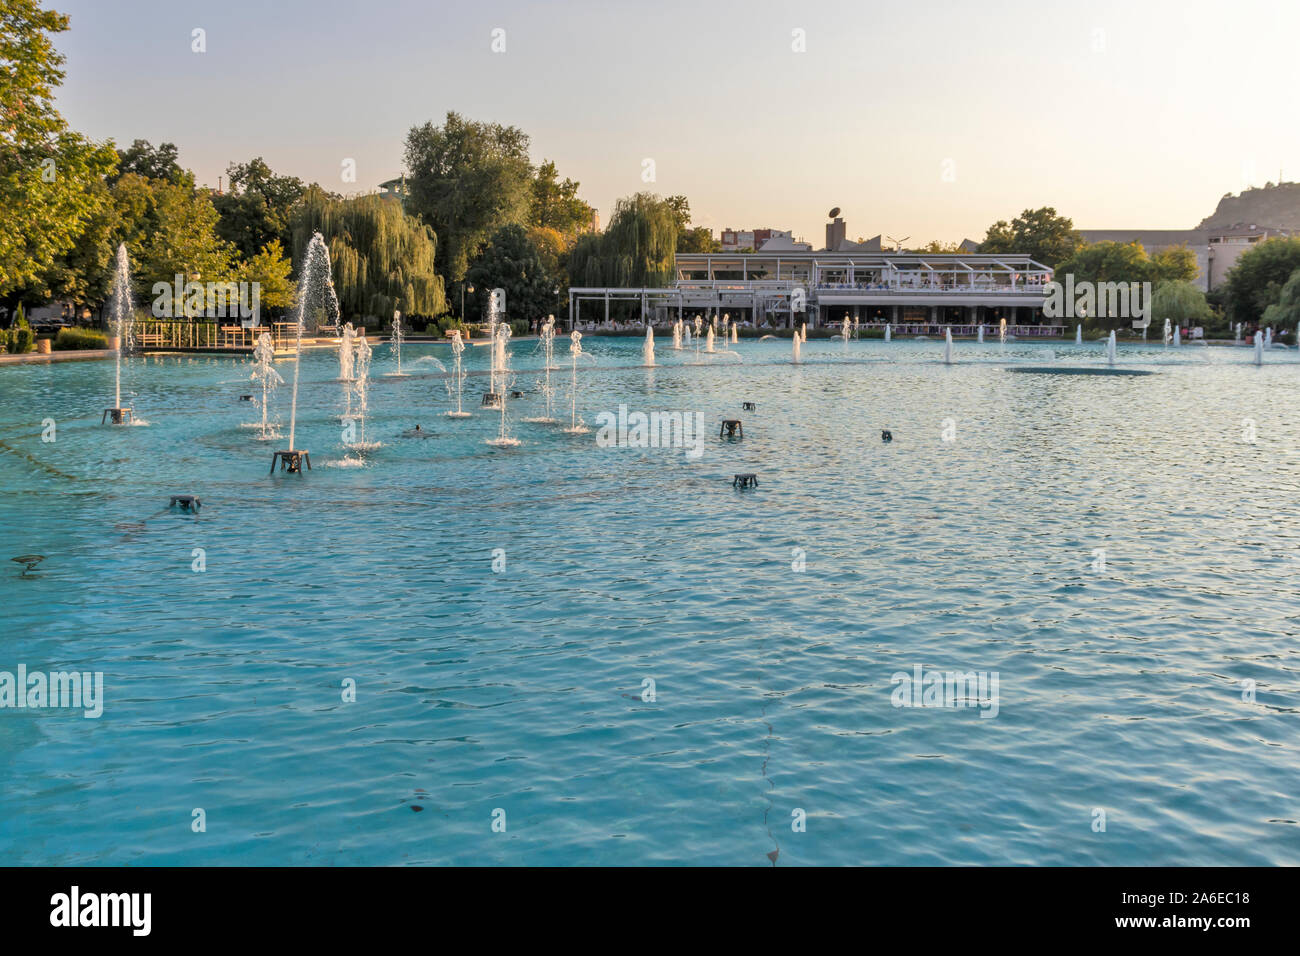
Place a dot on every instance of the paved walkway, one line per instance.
(71, 355)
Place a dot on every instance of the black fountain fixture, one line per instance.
(291, 461)
(731, 428)
(120, 416)
(245, 398)
(748, 407)
(886, 435)
(29, 562)
(187, 503)
(745, 480)
(516, 394)
(491, 399)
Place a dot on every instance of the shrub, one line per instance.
(21, 338)
(518, 327)
(72, 339)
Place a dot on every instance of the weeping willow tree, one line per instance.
(383, 259)
(636, 249)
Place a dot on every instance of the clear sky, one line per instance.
(1136, 114)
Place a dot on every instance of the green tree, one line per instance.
(1175, 264)
(636, 249)
(1285, 312)
(681, 207)
(1181, 303)
(467, 179)
(556, 204)
(381, 256)
(46, 171)
(142, 159)
(258, 206)
(181, 238)
(123, 214)
(1107, 262)
(1040, 234)
(1256, 281)
(698, 239)
(270, 269)
(511, 262)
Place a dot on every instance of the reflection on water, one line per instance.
(770, 622)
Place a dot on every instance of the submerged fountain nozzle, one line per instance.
(745, 480)
(731, 428)
(186, 503)
(491, 399)
(119, 416)
(748, 406)
(291, 461)
(886, 435)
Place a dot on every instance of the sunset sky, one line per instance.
(1119, 114)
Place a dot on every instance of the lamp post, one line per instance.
(462, 300)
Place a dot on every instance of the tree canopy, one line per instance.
(512, 262)
(467, 179)
(1286, 310)
(1127, 262)
(1040, 234)
(1180, 302)
(555, 203)
(47, 172)
(1257, 279)
(637, 248)
(257, 208)
(383, 259)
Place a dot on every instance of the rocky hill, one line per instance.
(1271, 205)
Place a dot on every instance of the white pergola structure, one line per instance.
(962, 289)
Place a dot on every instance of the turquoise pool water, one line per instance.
(1120, 689)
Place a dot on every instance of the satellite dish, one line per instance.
(833, 213)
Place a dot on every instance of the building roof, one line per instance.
(1150, 238)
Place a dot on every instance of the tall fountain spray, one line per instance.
(648, 348)
(677, 334)
(1002, 331)
(699, 332)
(1078, 335)
(1259, 348)
(735, 333)
(576, 425)
(845, 332)
(503, 439)
(708, 339)
(122, 319)
(1236, 334)
(547, 344)
(1268, 337)
(889, 329)
(1165, 338)
(315, 296)
(361, 386)
(980, 334)
(947, 346)
(797, 342)
(396, 340)
(686, 332)
(458, 376)
(265, 373)
(1110, 349)
(856, 323)
(347, 352)
(1178, 335)
(347, 342)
